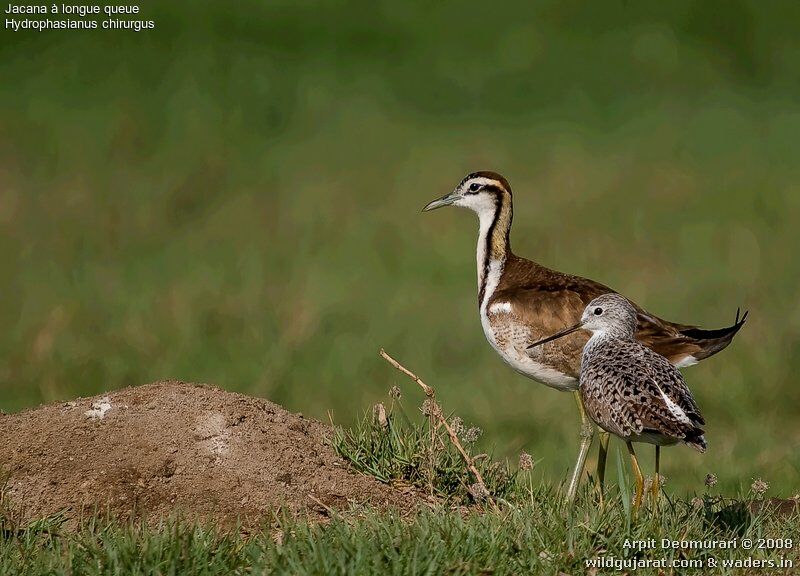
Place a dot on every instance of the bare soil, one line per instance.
(176, 448)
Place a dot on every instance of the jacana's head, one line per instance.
(481, 192)
(610, 313)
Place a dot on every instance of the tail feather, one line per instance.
(712, 341)
(701, 334)
(696, 439)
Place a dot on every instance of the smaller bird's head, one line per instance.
(610, 313)
(480, 192)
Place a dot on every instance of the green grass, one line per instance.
(524, 540)
(234, 198)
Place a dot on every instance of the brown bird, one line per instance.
(629, 390)
(520, 302)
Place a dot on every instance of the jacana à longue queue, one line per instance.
(521, 302)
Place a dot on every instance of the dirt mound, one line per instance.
(153, 450)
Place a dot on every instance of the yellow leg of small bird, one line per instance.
(637, 472)
(657, 477)
(602, 454)
(587, 433)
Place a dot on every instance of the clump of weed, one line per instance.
(396, 450)
(436, 454)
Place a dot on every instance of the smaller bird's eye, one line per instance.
(598, 311)
(474, 187)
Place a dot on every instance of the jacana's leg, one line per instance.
(639, 478)
(587, 433)
(657, 476)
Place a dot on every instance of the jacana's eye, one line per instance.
(474, 187)
(598, 311)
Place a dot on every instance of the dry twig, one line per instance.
(427, 389)
(430, 393)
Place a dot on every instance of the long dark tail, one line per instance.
(712, 341)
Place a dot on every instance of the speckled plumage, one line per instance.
(629, 390)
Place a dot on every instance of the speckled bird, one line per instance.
(521, 301)
(628, 389)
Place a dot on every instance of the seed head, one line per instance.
(379, 415)
(430, 407)
(711, 480)
(473, 434)
(525, 461)
(648, 483)
(697, 503)
(457, 424)
(478, 492)
(759, 486)
(394, 393)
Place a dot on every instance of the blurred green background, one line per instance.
(234, 198)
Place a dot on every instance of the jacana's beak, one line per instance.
(557, 335)
(445, 200)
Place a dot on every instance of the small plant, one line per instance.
(758, 488)
(435, 455)
(420, 455)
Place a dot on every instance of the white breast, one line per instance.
(511, 338)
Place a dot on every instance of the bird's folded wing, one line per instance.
(671, 383)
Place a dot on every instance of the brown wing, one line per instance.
(548, 301)
(545, 313)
